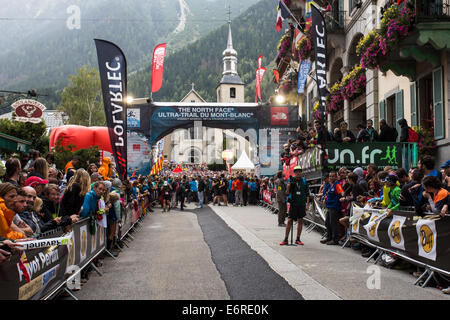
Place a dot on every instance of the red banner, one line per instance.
(158, 65)
(276, 75)
(267, 196)
(292, 165)
(285, 171)
(260, 61)
(259, 76)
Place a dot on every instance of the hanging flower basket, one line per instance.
(305, 48)
(284, 47)
(396, 25)
(354, 83)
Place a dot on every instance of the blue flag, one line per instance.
(303, 71)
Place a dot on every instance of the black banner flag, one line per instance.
(113, 75)
(319, 37)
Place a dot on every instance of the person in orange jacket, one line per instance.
(72, 163)
(8, 193)
(106, 168)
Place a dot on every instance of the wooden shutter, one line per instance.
(398, 110)
(438, 105)
(341, 13)
(412, 90)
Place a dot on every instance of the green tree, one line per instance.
(36, 133)
(64, 154)
(81, 100)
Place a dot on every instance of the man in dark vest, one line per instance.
(333, 205)
(298, 191)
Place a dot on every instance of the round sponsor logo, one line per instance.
(426, 238)
(374, 227)
(83, 242)
(394, 231)
(71, 252)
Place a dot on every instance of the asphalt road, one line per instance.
(222, 253)
(247, 276)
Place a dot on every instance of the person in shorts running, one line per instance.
(299, 199)
(166, 191)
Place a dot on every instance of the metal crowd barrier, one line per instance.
(40, 274)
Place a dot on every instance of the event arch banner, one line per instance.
(148, 123)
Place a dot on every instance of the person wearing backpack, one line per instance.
(298, 191)
(407, 134)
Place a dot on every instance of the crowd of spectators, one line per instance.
(35, 198)
(200, 186)
(423, 190)
(318, 135)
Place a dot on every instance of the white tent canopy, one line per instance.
(243, 163)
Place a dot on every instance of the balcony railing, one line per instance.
(432, 10)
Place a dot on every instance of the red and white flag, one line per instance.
(282, 14)
(229, 167)
(298, 36)
(259, 76)
(158, 66)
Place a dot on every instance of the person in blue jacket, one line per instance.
(91, 199)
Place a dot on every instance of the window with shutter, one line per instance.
(382, 106)
(398, 110)
(439, 124)
(412, 89)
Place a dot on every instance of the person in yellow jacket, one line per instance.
(106, 168)
(8, 194)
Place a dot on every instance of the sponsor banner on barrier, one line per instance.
(37, 244)
(34, 273)
(422, 239)
(372, 226)
(427, 237)
(83, 243)
(395, 232)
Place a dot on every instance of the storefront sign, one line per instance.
(28, 110)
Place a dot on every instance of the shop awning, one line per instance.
(13, 144)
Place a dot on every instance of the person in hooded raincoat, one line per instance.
(106, 169)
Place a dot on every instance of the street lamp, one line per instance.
(129, 99)
(279, 98)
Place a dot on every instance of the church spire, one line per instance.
(230, 40)
(229, 55)
(230, 60)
